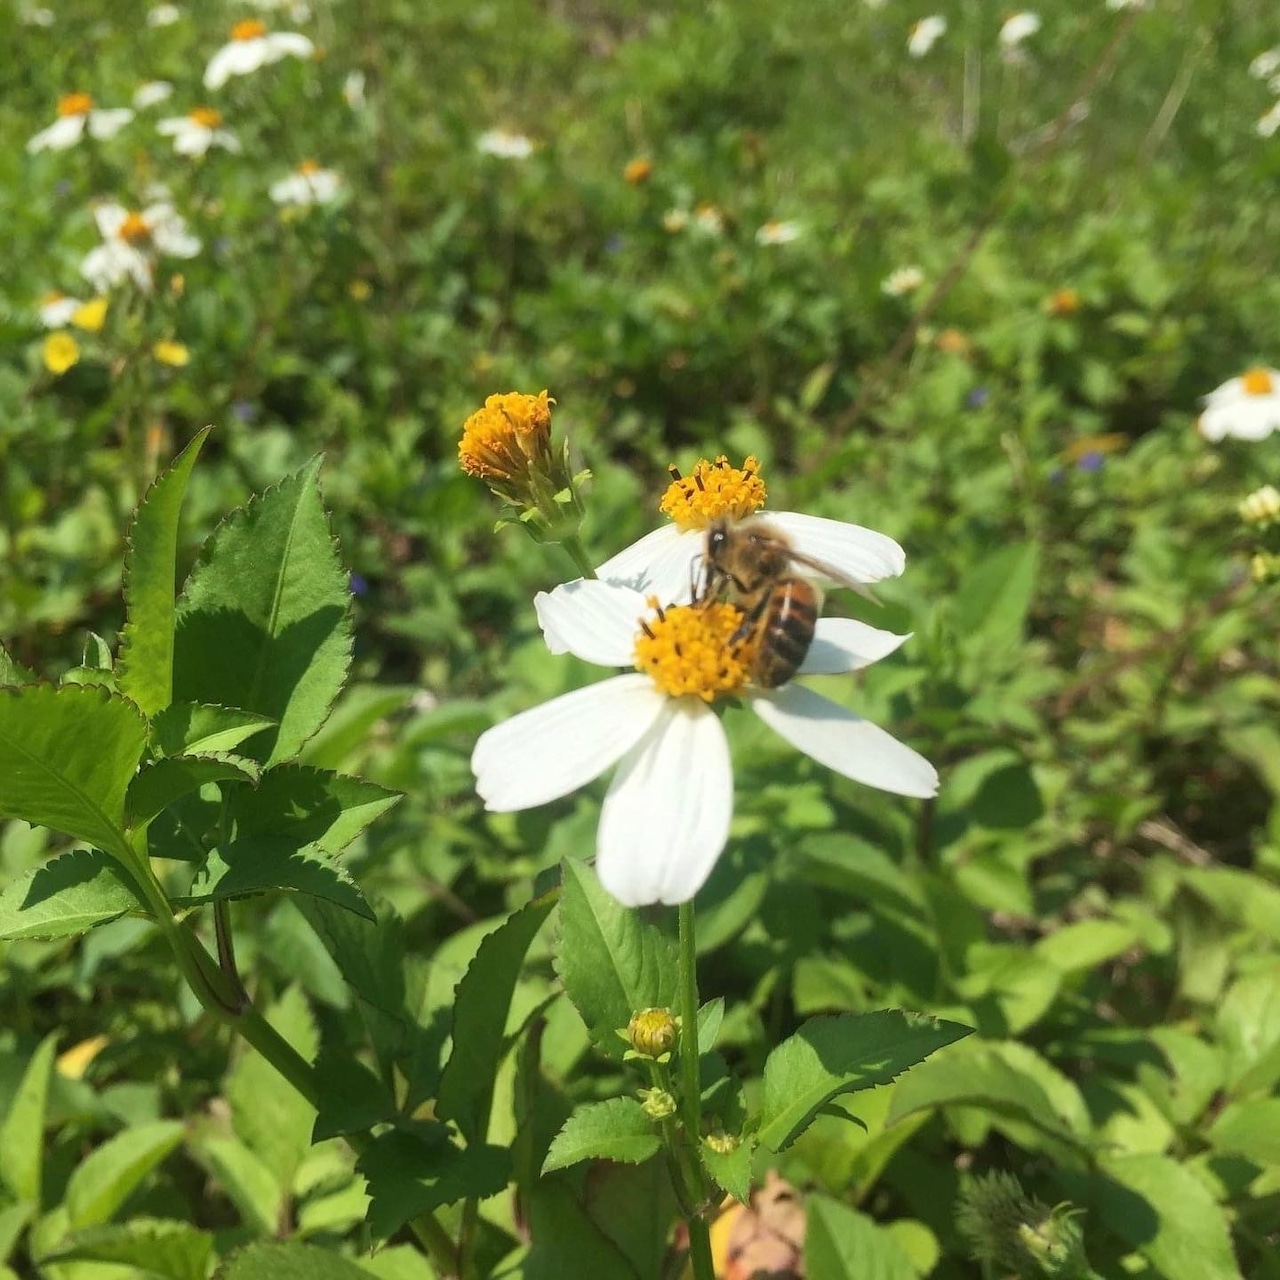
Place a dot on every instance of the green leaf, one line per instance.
(568, 1244)
(617, 1129)
(710, 1018)
(611, 961)
(159, 783)
(67, 756)
(67, 896)
(351, 1099)
(731, 1169)
(479, 1019)
(1166, 1213)
(843, 1244)
(12, 672)
(264, 620)
(22, 1134)
(150, 576)
(415, 1169)
(253, 1188)
(172, 1250)
(107, 1177)
(992, 603)
(309, 807)
(196, 728)
(354, 717)
(841, 1054)
(1250, 1129)
(1078, 947)
(289, 1262)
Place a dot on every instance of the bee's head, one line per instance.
(717, 539)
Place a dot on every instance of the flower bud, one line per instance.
(1261, 507)
(653, 1033)
(658, 1104)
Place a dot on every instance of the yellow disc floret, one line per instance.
(206, 117)
(249, 29)
(713, 489)
(134, 229)
(75, 104)
(499, 441)
(690, 650)
(1257, 382)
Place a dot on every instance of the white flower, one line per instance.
(924, 34)
(1018, 28)
(1247, 407)
(1269, 123)
(151, 94)
(37, 17)
(353, 90)
(76, 113)
(505, 145)
(197, 131)
(1266, 64)
(902, 281)
(709, 220)
(1117, 5)
(774, 232)
(308, 184)
(163, 15)
(665, 818)
(131, 243)
(253, 46)
(294, 10)
(56, 310)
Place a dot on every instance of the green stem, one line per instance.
(691, 1093)
(578, 555)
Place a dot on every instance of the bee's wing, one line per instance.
(831, 574)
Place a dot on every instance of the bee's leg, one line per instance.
(749, 621)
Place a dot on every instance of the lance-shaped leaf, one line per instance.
(264, 620)
(161, 782)
(22, 1132)
(148, 1246)
(195, 728)
(108, 1176)
(67, 756)
(150, 576)
(67, 896)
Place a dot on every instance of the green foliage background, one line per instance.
(1095, 890)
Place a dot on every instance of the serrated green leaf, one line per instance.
(247, 1180)
(616, 1129)
(69, 895)
(992, 603)
(479, 1019)
(197, 728)
(568, 1244)
(309, 807)
(97, 654)
(415, 1169)
(67, 756)
(22, 1133)
(611, 960)
(108, 1176)
(160, 782)
(842, 1244)
(172, 1250)
(841, 1054)
(264, 620)
(150, 577)
(351, 1099)
(289, 1261)
(11, 671)
(731, 1169)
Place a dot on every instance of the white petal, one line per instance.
(666, 817)
(1245, 419)
(192, 142)
(60, 135)
(846, 743)
(660, 564)
(548, 751)
(282, 44)
(235, 59)
(109, 122)
(595, 621)
(844, 644)
(110, 218)
(861, 554)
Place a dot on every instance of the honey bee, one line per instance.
(753, 564)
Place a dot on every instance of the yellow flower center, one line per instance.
(687, 650)
(308, 167)
(638, 170)
(1257, 382)
(75, 104)
(712, 490)
(209, 117)
(135, 229)
(60, 352)
(90, 316)
(54, 295)
(249, 29)
(499, 440)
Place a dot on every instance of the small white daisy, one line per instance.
(37, 17)
(56, 309)
(353, 90)
(197, 131)
(504, 144)
(1247, 407)
(308, 184)
(163, 15)
(76, 115)
(253, 46)
(1269, 123)
(1016, 29)
(131, 242)
(904, 280)
(924, 34)
(152, 94)
(294, 10)
(775, 232)
(665, 818)
(1266, 64)
(1117, 5)
(709, 220)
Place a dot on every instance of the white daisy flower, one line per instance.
(1269, 123)
(709, 220)
(37, 17)
(1017, 28)
(308, 184)
(353, 90)
(504, 144)
(163, 15)
(665, 818)
(775, 232)
(56, 309)
(1247, 407)
(197, 131)
(76, 113)
(924, 34)
(132, 242)
(902, 281)
(1266, 64)
(253, 46)
(152, 94)
(1117, 5)
(294, 10)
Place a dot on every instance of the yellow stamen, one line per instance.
(714, 489)
(499, 440)
(249, 29)
(61, 351)
(687, 651)
(209, 117)
(308, 167)
(1257, 382)
(90, 316)
(638, 170)
(135, 229)
(75, 104)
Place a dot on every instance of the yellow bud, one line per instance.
(169, 352)
(90, 316)
(61, 352)
(652, 1032)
